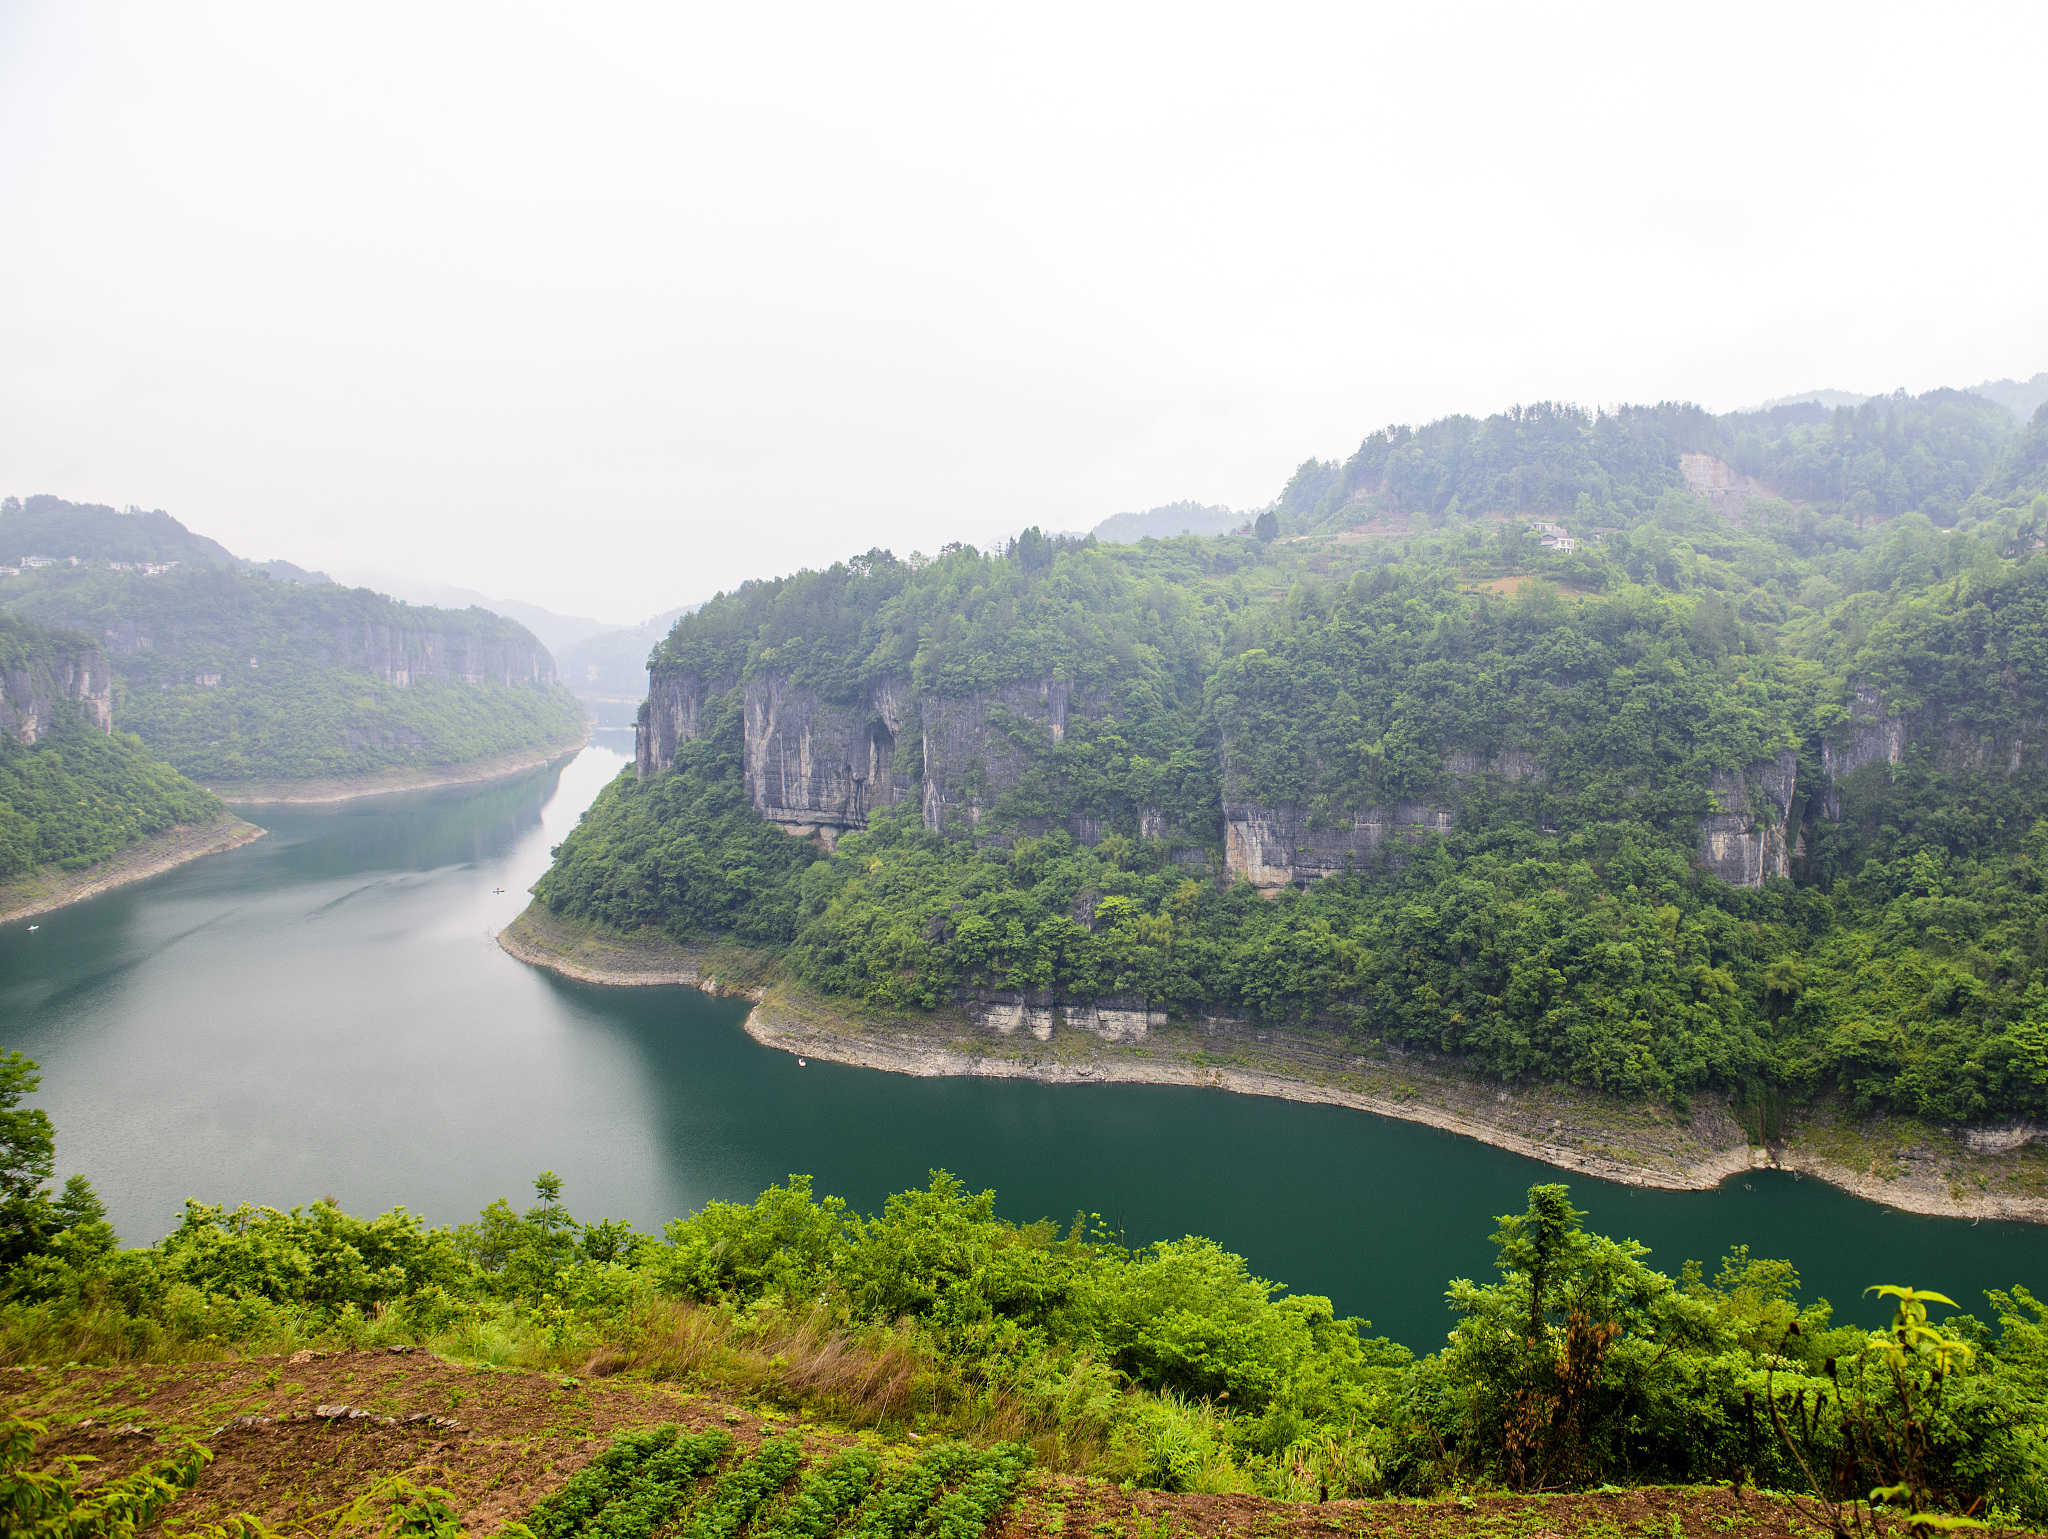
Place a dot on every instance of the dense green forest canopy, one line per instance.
(232, 675)
(51, 527)
(1416, 653)
(76, 795)
(1932, 454)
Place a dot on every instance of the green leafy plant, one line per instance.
(738, 1494)
(825, 1495)
(1876, 1421)
(585, 1494)
(50, 1504)
(964, 1511)
(901, 1503)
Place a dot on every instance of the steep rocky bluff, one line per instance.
(399, 654)
(34, 688)
(236, 678)
(818, 769)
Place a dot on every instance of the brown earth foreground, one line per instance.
(295, 1438)
(48, 887)
(1997, 1173)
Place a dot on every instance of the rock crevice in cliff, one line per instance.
(821, 768)
(33, 696)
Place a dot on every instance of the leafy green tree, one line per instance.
(28, 1153)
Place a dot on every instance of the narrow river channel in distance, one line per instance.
(325, 1013)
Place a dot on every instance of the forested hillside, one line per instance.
(234, 676)
(57, 530)
(71, 791)
(1714, 789)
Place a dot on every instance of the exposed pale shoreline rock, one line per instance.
(49, 888)
(348, 788)
(1907, 1166)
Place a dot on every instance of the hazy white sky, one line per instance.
(607, 307)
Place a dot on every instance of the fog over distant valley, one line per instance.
(606, 311)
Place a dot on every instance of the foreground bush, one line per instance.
(1170, 1365)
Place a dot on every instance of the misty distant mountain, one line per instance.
(2021, 397)
(556, 632)
(1828, 398)
(612, 665)
(1167, 520)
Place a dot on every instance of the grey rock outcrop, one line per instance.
(70, 679)
(404, 656)
(1509, 764)
(818, 769)
(1872, 736)
(398, 654)
(672, 713)
(1721, 486)
(1275, 847)
(1875, 734)
(1041, 1013)
(1749, 840)
(970, 757)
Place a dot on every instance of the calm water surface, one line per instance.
(324, 1012)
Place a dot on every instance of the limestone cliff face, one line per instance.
(1749, 840)
(819, 769)
(1274, 847)
(672, 713)
(404, 656)
(969, 758)
(400, 655)
(1040, 1012)
(1873, 736)
(32, 697)
(1745, 842)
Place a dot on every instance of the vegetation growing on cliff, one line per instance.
(233, 675)
(76, 795)
(1575, 713)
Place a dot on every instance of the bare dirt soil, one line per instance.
(295, 1438)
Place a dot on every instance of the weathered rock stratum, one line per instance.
(820, 768)
(74, 679)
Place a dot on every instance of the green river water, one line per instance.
(325, 1012)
